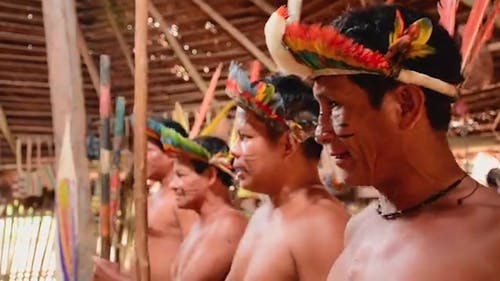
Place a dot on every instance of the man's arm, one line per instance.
(316, 241)
(108, 271)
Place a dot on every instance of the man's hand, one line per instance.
(107, 271)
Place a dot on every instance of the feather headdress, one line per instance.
(177, 145)
(323, 50)
(262, 99)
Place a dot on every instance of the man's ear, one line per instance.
(411, 104)
(211, 174)
(290, 143)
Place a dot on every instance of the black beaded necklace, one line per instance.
(432, 198)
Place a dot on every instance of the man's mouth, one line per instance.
(341, 155)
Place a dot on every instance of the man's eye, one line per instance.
(333, 104)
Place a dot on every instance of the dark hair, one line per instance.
(297, 98)
(173, 125)
(213, 145)
(169, 124)
(372, 26)
(493, 177)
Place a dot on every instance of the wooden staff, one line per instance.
(140, 112)
(105, 154)
(115, 176)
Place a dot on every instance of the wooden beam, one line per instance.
(264, 6)
(87, 59)
(60, 24)
(140, 114)
(4, 128)
(179, 52)
(242, 39)
(24, 83)
(119, 36)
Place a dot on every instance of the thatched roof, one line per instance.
(24, 87)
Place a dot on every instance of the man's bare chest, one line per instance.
(414, 253)
(263, 255)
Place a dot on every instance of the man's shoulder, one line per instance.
(316, 202)
(231, 224)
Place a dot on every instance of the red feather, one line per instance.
(485, 34)
(447, 10)
(471, 29)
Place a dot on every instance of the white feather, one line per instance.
(274, 31)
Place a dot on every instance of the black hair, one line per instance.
(213, 145)
(493, 178)
(297, 98)
(169, 124)
(372, 26)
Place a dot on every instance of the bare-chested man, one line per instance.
(203, 186)
(298, 234)
(167, 225)
(433, 222)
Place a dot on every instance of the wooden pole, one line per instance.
(67, 99)
(236, 34)
(105, 154)
(140, 114)
(179, 52)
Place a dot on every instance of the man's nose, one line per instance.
(324, 134)
(235, 149)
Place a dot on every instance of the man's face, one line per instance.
(358, 136)
(189, 186)
(257, 158)
(158, 163)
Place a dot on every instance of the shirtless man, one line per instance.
(167, 225)
(433, 222)
(298, 234)
(208, 250)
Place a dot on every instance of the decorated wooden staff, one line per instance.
(140, 112)
(105, 154)
(119, 130)
(66, 202)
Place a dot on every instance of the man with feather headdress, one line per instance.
(298, 234)
(202, 178)
(385, 78)
(167, 224)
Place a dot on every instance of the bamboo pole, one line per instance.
(105, 154)
(140, 113)
(236, 34)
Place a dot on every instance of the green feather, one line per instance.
(175, 141)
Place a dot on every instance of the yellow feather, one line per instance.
(424, 26)
(215, 122)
